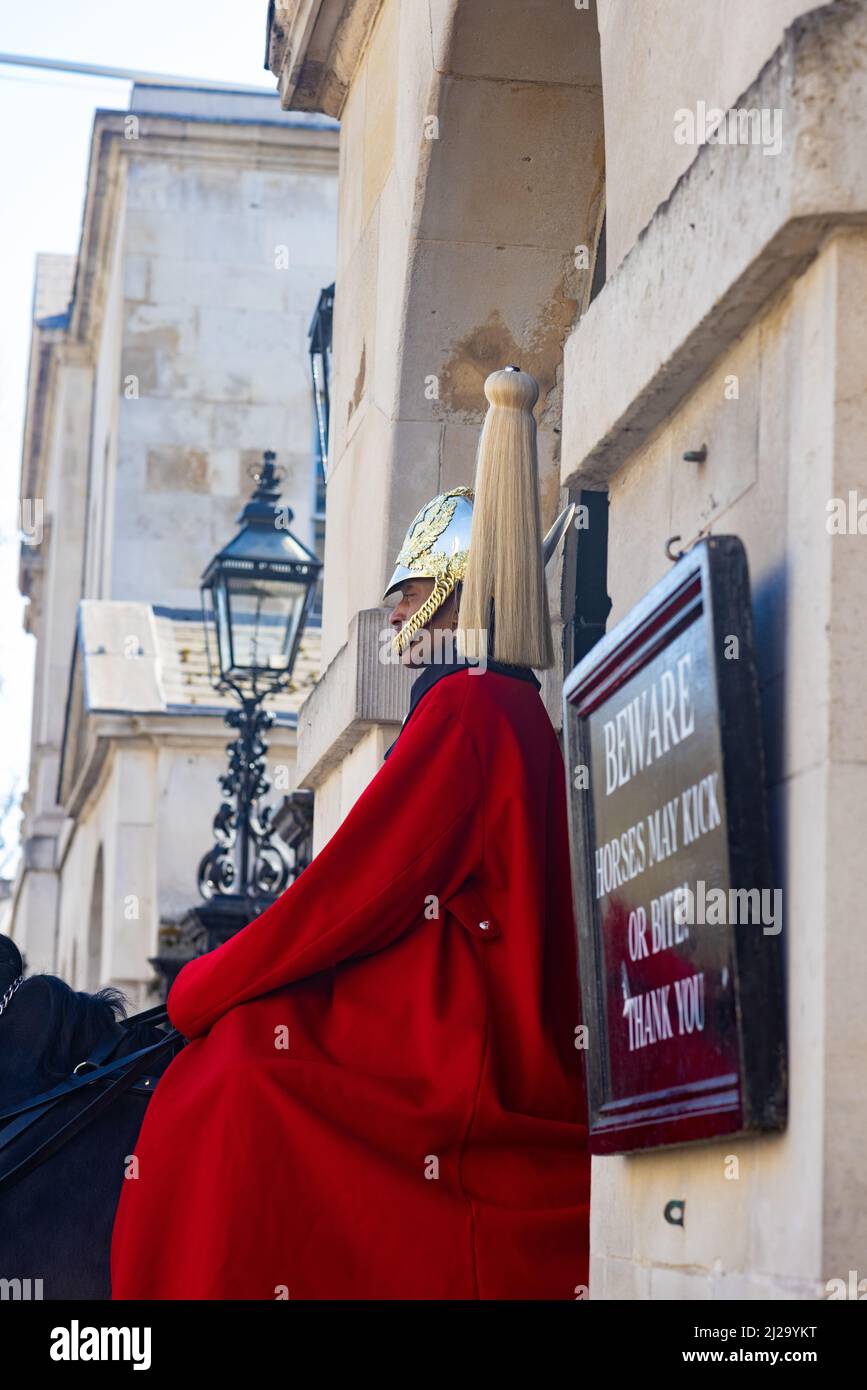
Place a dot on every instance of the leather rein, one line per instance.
(127, 1073)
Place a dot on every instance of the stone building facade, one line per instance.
(165, 359)
(533, 183)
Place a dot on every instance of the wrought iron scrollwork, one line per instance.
(247, 857)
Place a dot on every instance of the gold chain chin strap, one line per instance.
(443, 586)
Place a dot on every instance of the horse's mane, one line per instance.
(69, 1022)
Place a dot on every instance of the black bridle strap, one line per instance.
(29, 1111)
(76, 1083)
(140, 1060)
(153, 1015)
(24, 1121)
(29, 1116)
(112, 1041)
(98, 1066)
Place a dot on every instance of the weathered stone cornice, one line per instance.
(314, 47)
(738, 225)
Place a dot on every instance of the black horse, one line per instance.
(56, 1221)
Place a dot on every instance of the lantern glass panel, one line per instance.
(224, 634)
(265, 617)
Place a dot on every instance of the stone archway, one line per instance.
(471, 167)
(505, 213)
(509, 207)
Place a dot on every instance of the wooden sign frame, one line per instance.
(708, 587)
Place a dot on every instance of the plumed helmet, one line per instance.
(489, 539)
(435, 547)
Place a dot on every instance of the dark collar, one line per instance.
(429, 676)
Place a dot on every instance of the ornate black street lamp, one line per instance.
(256, 593)
(256, 596)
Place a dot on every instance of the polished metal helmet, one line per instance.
(436, 547)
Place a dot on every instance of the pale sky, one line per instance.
(45, 124)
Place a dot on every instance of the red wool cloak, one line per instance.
(378, 1102)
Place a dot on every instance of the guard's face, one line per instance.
(410, 598)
